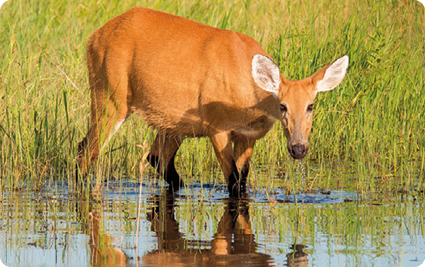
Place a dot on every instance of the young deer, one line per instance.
(191, 80)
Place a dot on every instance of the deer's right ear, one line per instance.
(265, 73)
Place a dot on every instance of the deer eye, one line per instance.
(283, 108)
(310, 108)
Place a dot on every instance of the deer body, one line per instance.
(191, 80)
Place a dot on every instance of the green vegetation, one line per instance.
(369, 133)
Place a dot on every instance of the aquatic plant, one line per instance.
(368, 134)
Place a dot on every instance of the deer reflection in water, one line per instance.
(297, 257)
(233, 244)
(102, 252)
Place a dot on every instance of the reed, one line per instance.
(368, 134)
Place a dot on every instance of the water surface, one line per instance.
(202, 226)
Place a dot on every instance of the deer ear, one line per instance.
(331, 76)
(265, 73)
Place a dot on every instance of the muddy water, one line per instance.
(201, 226)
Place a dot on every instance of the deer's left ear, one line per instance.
(331, 76)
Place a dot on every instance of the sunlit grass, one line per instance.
(368, 134)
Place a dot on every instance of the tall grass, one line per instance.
(372, 124)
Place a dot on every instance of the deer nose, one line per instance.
(298, 151)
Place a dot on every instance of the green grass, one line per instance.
(370, 129)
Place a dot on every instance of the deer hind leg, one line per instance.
(108, 111)
(162, 156)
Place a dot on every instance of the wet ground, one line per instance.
(201, 226)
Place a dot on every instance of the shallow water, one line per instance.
(201, 226)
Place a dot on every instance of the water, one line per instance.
(201, 226)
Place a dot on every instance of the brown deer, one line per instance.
(191, 80)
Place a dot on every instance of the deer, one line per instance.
(190, 80)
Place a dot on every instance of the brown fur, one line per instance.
(187, 80)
